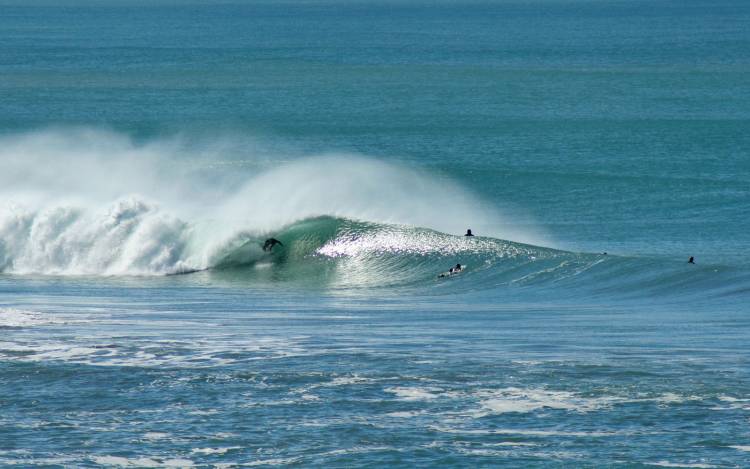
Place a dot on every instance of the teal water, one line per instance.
(147, 150)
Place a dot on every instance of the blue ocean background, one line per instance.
(147, 149)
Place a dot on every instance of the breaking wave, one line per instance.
(91, 202)
(88, 202)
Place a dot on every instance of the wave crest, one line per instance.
(87, 201)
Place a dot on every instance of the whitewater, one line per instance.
(93, 202)
(149, 149)
(346, 221)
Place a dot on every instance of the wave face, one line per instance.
(90, 202)
(134, 238)
(345, 253)
(342, 252)
(85, 202)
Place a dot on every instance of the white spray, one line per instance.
(83, 201)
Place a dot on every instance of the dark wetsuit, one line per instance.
(453, 270)
(270, 243)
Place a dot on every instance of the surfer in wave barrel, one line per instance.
(270, 243)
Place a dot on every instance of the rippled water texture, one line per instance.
(177, 376)
(148, 150)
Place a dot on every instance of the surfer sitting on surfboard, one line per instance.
(270, 243)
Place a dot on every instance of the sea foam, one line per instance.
(92, 202)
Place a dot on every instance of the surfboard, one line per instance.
(451, 274)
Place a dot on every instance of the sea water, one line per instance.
(147, 149)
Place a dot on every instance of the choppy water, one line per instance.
(147, 151)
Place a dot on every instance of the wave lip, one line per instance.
(90, 202)
(83, 201)
(133, 237)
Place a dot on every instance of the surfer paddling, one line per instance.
(452, 271)
(469, 233)
(270, 243)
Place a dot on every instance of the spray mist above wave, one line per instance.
(83, 201)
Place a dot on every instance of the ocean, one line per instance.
(148, 149)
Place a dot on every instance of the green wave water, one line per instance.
(331, 253)
(148, 149)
